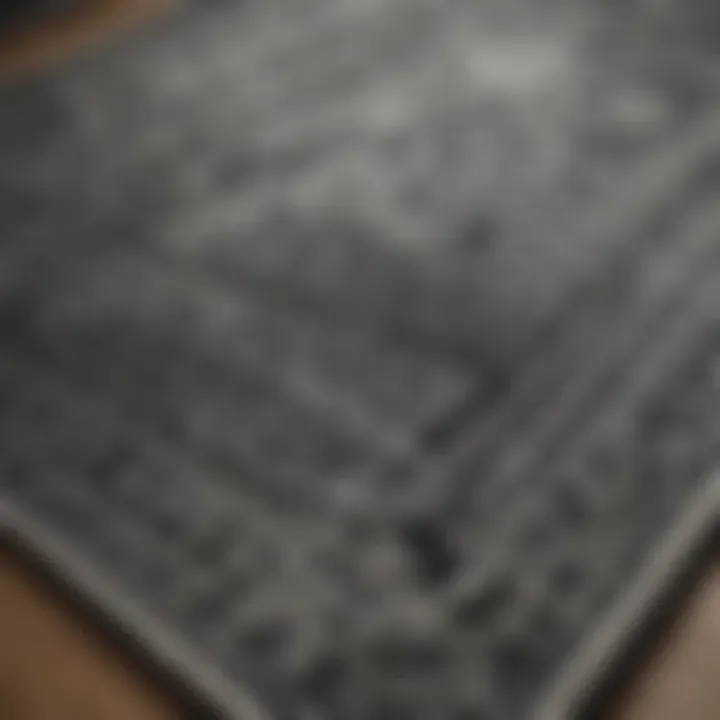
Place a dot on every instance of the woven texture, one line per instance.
(369, 348)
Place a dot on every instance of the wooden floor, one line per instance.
(682, 680)
(55, 666)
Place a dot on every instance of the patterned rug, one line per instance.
(360, 358)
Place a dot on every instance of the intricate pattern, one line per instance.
(369, 348)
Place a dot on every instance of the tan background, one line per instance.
(53, 666)
(682, 680)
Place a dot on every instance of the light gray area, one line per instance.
(369, 348)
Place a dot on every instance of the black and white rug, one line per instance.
(361, 358)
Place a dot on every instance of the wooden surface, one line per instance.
(682, 681)
(53, 666)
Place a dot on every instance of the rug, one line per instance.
(360, 359)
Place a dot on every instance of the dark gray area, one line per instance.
(370, 348)
(15, 12)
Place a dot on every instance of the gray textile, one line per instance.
(361, 358)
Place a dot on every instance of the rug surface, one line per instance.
(360, 357)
